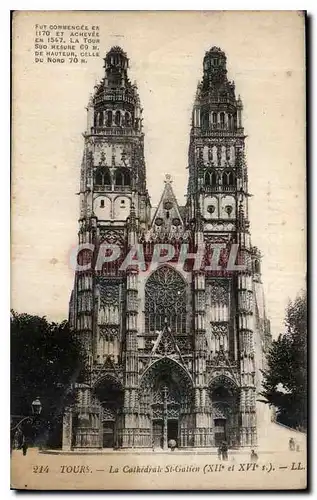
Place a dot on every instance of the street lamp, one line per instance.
(36, 410)
(36, 406)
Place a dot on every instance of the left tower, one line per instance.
(114, 204)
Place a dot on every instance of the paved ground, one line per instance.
(277, 468)
(186, 471)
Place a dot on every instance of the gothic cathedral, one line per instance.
(175, 350)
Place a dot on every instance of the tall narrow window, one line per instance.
(109, 119)
(228, 178)
(127, 119)
(205, 120)
(207, 178)
(229, 121)
(213, 179)
(222, 120)
(100, 119)
(118, 118)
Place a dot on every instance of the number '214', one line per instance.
(38, 469)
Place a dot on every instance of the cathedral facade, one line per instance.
(175, 347)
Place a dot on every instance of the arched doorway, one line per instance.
(165, 396)
(223, 393)
(109, 394)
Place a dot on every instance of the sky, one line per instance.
(265, 58)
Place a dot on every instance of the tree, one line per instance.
(46, 361)
(285, 380)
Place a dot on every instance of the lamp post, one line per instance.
(36, 407)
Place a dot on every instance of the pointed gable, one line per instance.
(166, 345)
(167, 209)
(167, 222)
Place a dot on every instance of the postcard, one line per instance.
(158, 322)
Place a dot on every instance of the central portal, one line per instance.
(165, 399)
(165, 411)
(172, 430)
(160, 437)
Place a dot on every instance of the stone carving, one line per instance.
(218, 291)
(109, 332)
(109, 291)
(221, 410)
(108, 414)
(219, 329)
(223, 381)
(112, 237)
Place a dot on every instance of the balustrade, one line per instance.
(115, 131)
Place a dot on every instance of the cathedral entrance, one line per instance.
(160, 437)
(165, 391)
(157, 433)
(172, 429)
(220, 431)
(224, 399)
(109, 395)
(165, 411)
(108, 434)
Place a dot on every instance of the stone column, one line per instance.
(67, 430)
(202, 436)
(131, 427)
(246, 341)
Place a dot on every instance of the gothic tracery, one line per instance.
(165, 299)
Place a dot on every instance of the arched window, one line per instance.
(123, 177)
(214, 118)
(109, 119)
(118, 118)
(205, 120)
(213, 178)
(207, 178)
(127, 119)
(222, 120)
(210, 178)
(256, 267)
(102, 177)
(229, 121)
(165, 301)
(228, 178)
(100, 119)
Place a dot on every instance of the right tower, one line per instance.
(230, 325)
